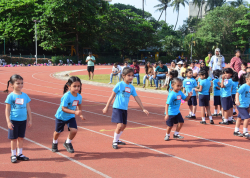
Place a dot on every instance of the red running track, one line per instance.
(206, 151)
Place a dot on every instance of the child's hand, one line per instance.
(105, 110)
(78, 112)
(237, 103)
(83, 118)
(190, 94)
(10, 125)
(166, 117)
(29, 124)
(223, 76)
(144, 110)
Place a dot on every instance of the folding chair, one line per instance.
(115, 77)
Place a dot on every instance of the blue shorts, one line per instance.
(233, 98)
(192, 101)
(217, 101)
(226, 103)
(119, 116)
(243, 113)
(18, 129)
(204, 100)
(174, 120)
(60, 124)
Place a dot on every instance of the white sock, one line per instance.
(119, 135)
(215, 111)
(116, 137)
(237, 129)
(19, 151)
(167, 134)
(233, 110)
(68, 140)
(193, 114)
(245, 130)
(176, 133)
(225, 120)
(230, 118)
(210, 118)
(190, 113)
(55, 141)
(220, 112)
(203, 119)
(13, 152)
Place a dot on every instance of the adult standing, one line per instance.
(208, 58)
(91, 64)
(195, 69)
(217, 61)
(136, 71)
(236, 62)
(178, 68)
(160, 73)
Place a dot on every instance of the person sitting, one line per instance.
(183, 70)
(195, 69)
(136, 71)
(125, 65)
(149, 74)
(160, 73)
(115, 72)
(178, 68)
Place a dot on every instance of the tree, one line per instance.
(238, 3)
(164, 4)
(176, 4)
(211, 4)
(200, 4)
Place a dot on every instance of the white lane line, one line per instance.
(69, 158)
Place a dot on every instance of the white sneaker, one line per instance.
(109, 83)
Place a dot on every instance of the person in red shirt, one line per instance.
(236, 62)
(136, 71)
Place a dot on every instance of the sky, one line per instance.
(149, 7)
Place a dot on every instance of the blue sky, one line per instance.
(149, 6)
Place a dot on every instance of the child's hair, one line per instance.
(173, 74)
(204, 72)
(242, 80)
(244, 63)
(156, 63)
(188, 70)
(247, 75)
(235, 77)
(175, 80)
(69, 83)
(12, 80)
(228, 71)
(217, 73)
(127, 70)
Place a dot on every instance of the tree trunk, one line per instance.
(77, 46)
(177, 20)
(142, 8)
(160, 15)
(198, 12)
(165, 15)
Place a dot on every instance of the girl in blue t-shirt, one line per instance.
(242, 101)
(69, 107)
(173, 74)
(17, 111)
(122, 92)
(235, 80)
(172, 109)
(217, 100)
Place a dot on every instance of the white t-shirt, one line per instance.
(195, 69)
(123, 67)
(115, 69)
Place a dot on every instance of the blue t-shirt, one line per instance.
(18, 103)
(123, 92)
(244, 96)
(234, 88)
(227, 90)
(174, 101)
(68, 101)
(205, 83)
(209, 78)
(189, 84)
(215, 84)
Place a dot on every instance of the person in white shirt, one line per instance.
(125, 65)
(91, 65)
(178, 68)
(116, 70)
(217, 61)
(195, 69)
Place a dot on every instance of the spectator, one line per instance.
(116, 70)
(178, 68)
(203, 66)
(136, 71)
(236, 62)
(91, 64)
(183, 70)
(160, 73)
(149, 74)
(208, 58)
(172, 66)
(243, 69)
(217, 61)
(195, 69)
(125, 65)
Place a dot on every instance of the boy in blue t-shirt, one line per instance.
(173, 115)
(189, 84)
(216, 88)
(235, 80)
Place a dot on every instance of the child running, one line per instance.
(69, 107)
(172, 109)
(216, 88)
(121, 93)
(204, 97)
(235, 80)
(242, 102)
(189, 84)
(17, 111)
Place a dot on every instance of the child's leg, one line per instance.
(179, 126)
(203, 112)
(226, 115)
(209, 113)
(245, 125)
(19, 146)
(190, 109)
(194, 109)
(169, 130)
(237, 125)
(118, 131)
(55, 137)
(71, 135)
(13, 145)
(216, 109)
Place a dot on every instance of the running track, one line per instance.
(206, 151)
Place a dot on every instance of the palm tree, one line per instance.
(238, 3)
(164, 4)
(211, 4)
(200, 4)
(176, 4)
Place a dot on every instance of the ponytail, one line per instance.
(12, 80)
(170, 81)
(66, 88)
(7, 91)
(69, 83)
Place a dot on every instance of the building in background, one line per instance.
(194, 10)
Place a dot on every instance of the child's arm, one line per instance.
(166, 109)
(222, 82)
(7, 114)
(29, 115)
(189, 96)
(237, 101)
(105, 110)
(79, 108)
(199, 90)
(137, 99)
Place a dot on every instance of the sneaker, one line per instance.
(220, 114)
(246, 135)
(143, 86)
(223, 123)
(54, 147)
(215, 115)
(188, 116)
(193, 117)
(22, 157)
(121, 143)
(166, 138)
(109, 83)
(211, 122)
(234, 113)
(238, 134)
(13, 159)
(203, 122)
(114, 145)
(178, 136)
(68, 147)
(231, 122)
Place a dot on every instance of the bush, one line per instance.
(166, 59)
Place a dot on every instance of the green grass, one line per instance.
(105, 78)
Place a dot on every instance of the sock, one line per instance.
(167, 134)
(176, 133)
(210, 118)
(215, 111)
(19, 151)
(13, 152)
(115, 137)
(193, 114)
(220, 112)
(245, 130)
(119, 135)
(237, 129)
(68, 140)
(203, 119)
(190, 113)
(55, 141)
(230, 118)
(233, 110)
(225, 120)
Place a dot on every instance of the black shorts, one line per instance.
(233, 99)
(174, 120)
(204, 100)
(226, 103)
(192, 101)
(217, 101)
(243, 113)
(119, 116)
(60, 124)
(18, 129)
(91, 68)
